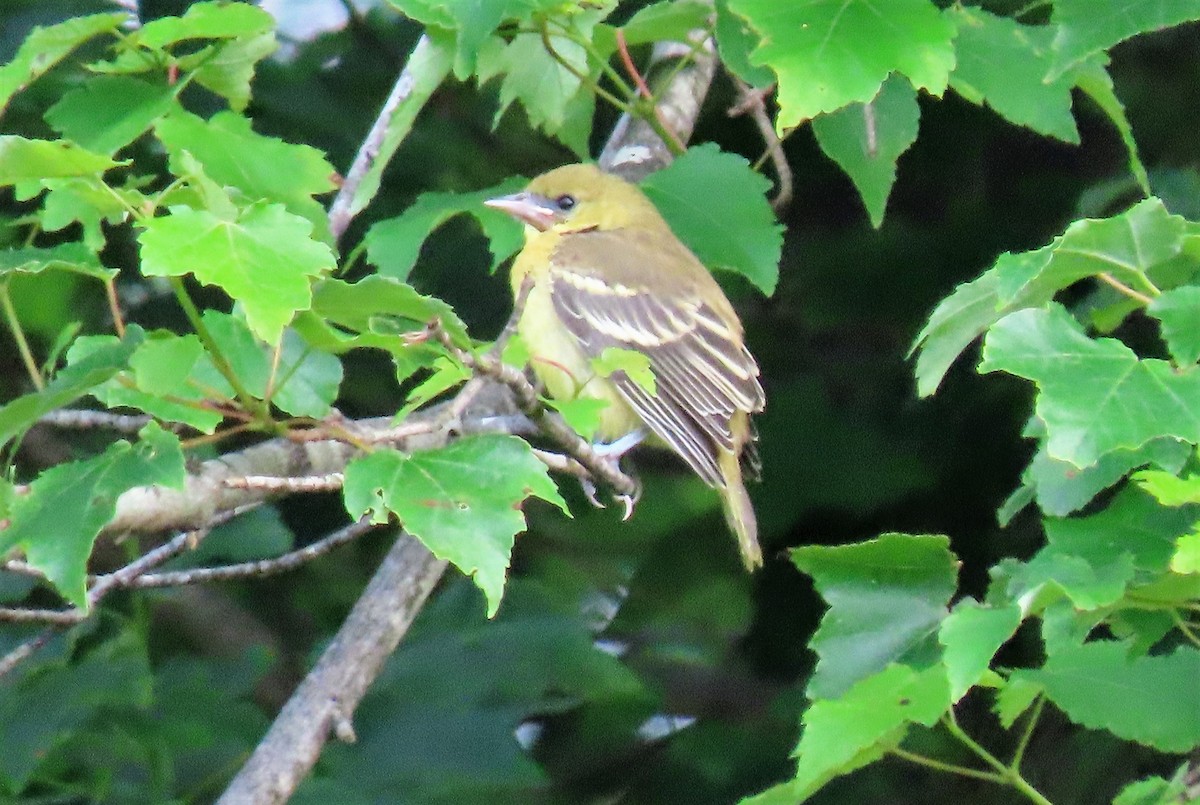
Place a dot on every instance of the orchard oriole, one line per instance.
(605, 270)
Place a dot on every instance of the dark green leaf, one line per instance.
(108, 112)
(395, 243)
(1085, 27)
(58, 520)
(46, 47)
(74, 257)
(1100, 686)
(866, 140)
(1179, 310)
(46, 708)
(1095, 395)
(1002, 63)
(887, 599)
(384, 305)
(717, 205)
(76, 380)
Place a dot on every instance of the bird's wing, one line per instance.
(704, 375)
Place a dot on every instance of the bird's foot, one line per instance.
(611, 454)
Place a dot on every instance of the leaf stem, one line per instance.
(1010, 776)
(114, 306)
(255, 406)
(949, 768)
(583, 77)
(1027, 734)
(1124, 289)
(14, 325)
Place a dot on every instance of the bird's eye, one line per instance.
(565, 202)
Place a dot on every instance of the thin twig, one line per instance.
(548, 422)
(84, 419)
(25, 650)
(265, 567)
(342, 211)
(644, 90)
(751, 100)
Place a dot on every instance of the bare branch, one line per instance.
(752, 101)
(264, 567)
(327, 697)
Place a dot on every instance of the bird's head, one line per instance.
(577, 198)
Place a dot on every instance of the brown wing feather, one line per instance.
(704, 375)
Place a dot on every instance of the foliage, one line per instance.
(185, 162)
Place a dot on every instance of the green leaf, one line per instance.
(23, 160)
(68, 385)
(1001, 63)
(384, 305)
(844, 734)
(1169, 489)
(463, 501)
(717, 205)
(56, 523)
(234, 155)
(1085, 27)
(544, 86)
(473, 21)
(1093, 80)
(1015, 697)
(829, 53)
(887, 599)
(307, 380)
(1178, 310)
(264, 259)
(1132, 247)
(208, 20)
(866, 140)
(107, 113)
(1061, 488)
(45, 47)
(1155, 791)
(1138, 699)
(394, 244)
(230, 70)
(90, 202)
(1095, 395)
(583, 414)
(446, 375)
(73, 257)
(666, 20)
(634, 364)
(1094, 560)
(735, 41)
(1186, 558)
(971, 635)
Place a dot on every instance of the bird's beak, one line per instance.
(531, 208)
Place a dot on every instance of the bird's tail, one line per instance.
(739, 512)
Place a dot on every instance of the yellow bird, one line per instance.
(606, 271)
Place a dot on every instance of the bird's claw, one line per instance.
(589, 492)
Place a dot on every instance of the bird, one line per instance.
(601, 268)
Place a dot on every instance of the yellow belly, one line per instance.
(565, 370)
